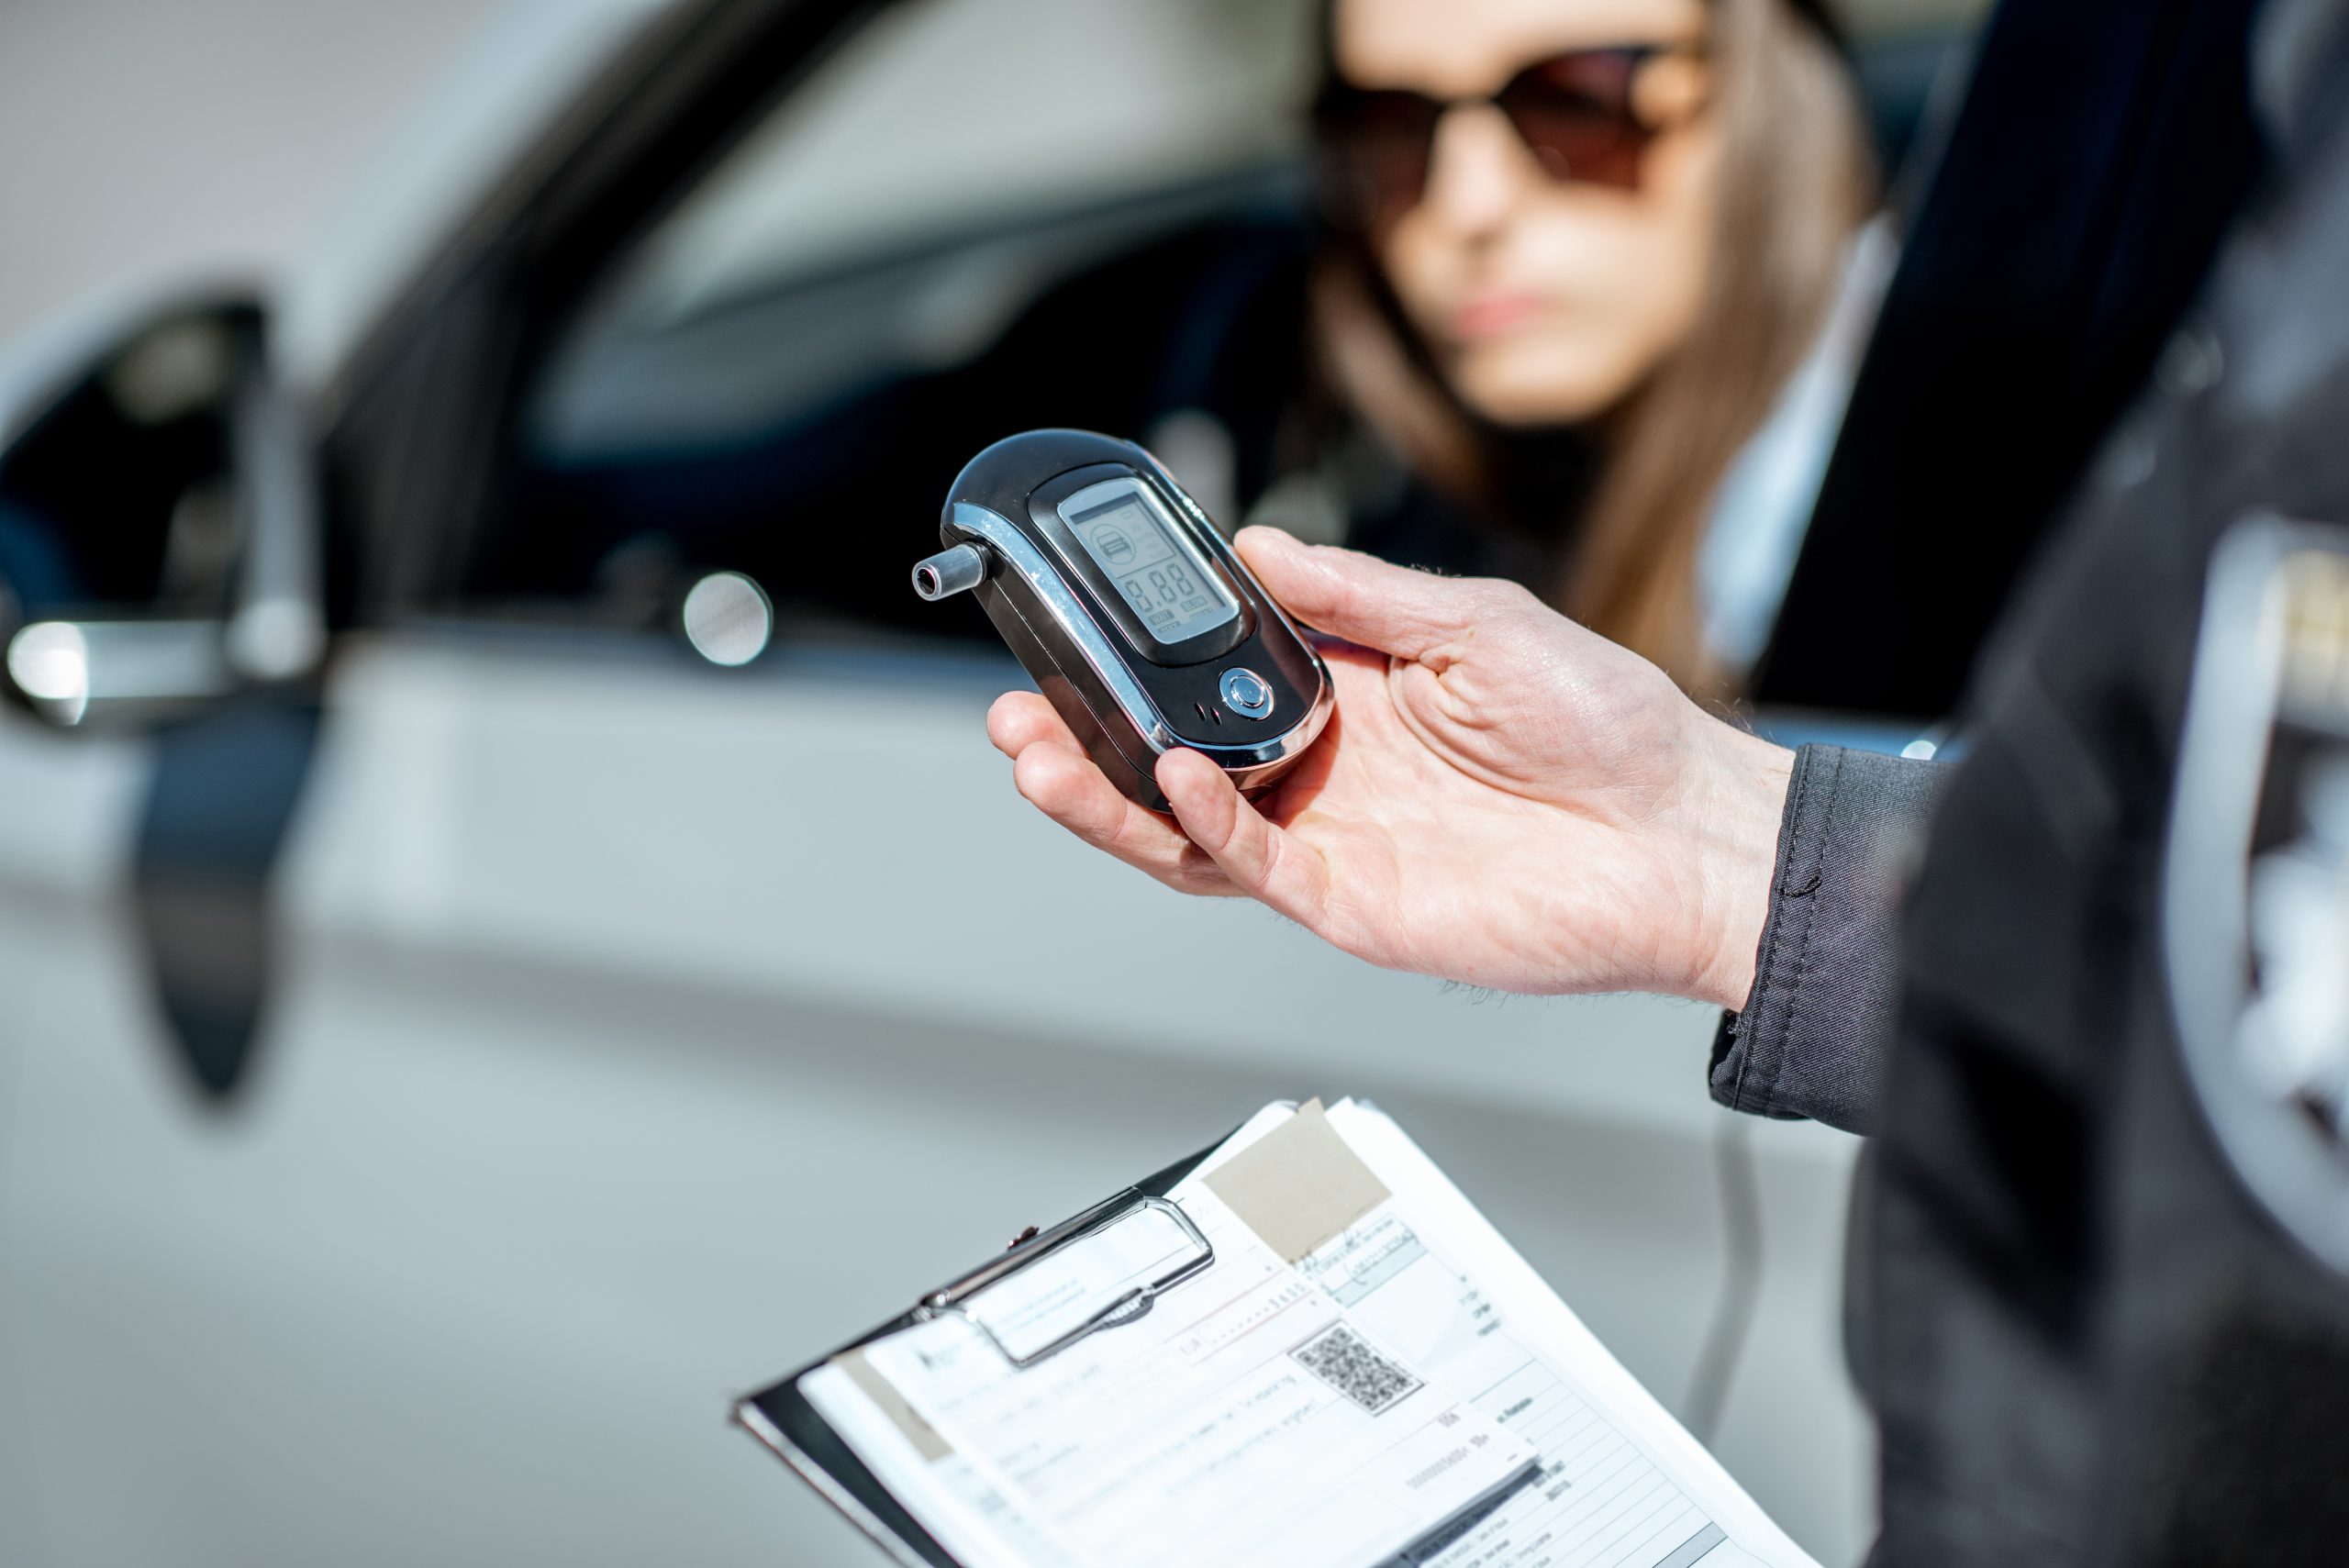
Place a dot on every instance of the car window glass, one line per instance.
(977, 215)
(950, 113)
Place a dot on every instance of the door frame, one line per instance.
(418, 429)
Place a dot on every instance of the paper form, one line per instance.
(959, 1506)
(1623, 1482)
(1329, 1411)
(1600, 1499)
(1244, 1420)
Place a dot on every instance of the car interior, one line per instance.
(793, 410)
(803, 434)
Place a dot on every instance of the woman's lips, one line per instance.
(1492, 314)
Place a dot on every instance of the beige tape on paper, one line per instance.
(1297, 1186)
(883, 1394)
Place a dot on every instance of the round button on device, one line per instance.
(1246, 694)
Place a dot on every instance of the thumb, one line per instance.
(1393, 609)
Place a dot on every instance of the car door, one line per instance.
(656, 999)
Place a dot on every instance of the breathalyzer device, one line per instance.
(1132, 614)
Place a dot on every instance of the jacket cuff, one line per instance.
(1811, 1039)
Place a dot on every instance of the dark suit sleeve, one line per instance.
(1811, 1037)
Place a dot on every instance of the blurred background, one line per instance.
(511, 932)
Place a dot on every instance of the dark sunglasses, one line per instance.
(1573, 111)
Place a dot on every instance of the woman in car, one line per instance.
(1578, 252)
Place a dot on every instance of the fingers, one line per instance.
(1218, 844)
(1020, 719)
(1394, 609)
(1256, 858)
(1052, 770)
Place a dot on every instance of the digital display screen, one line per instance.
(1164, 582)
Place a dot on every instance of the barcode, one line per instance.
(1338, 1357)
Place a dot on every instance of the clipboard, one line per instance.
(780, 1416)
(1292, 1181)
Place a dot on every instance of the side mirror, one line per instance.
(158, 544)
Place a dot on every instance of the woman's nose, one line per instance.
(1477, 170)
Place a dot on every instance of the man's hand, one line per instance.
(1503, 798)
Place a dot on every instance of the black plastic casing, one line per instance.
(1020, 481)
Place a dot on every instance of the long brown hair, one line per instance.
(1794, 181)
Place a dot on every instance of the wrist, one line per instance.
(1733, 846)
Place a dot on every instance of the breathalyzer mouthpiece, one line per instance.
(950, 571)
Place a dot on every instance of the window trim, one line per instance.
(417, 430)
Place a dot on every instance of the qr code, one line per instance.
(1337, 1357)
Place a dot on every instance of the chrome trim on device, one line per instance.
(1234, 683)
(1020, 554)
(1242, 760)
(1296, 739)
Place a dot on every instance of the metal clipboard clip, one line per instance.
(1100, 1269)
